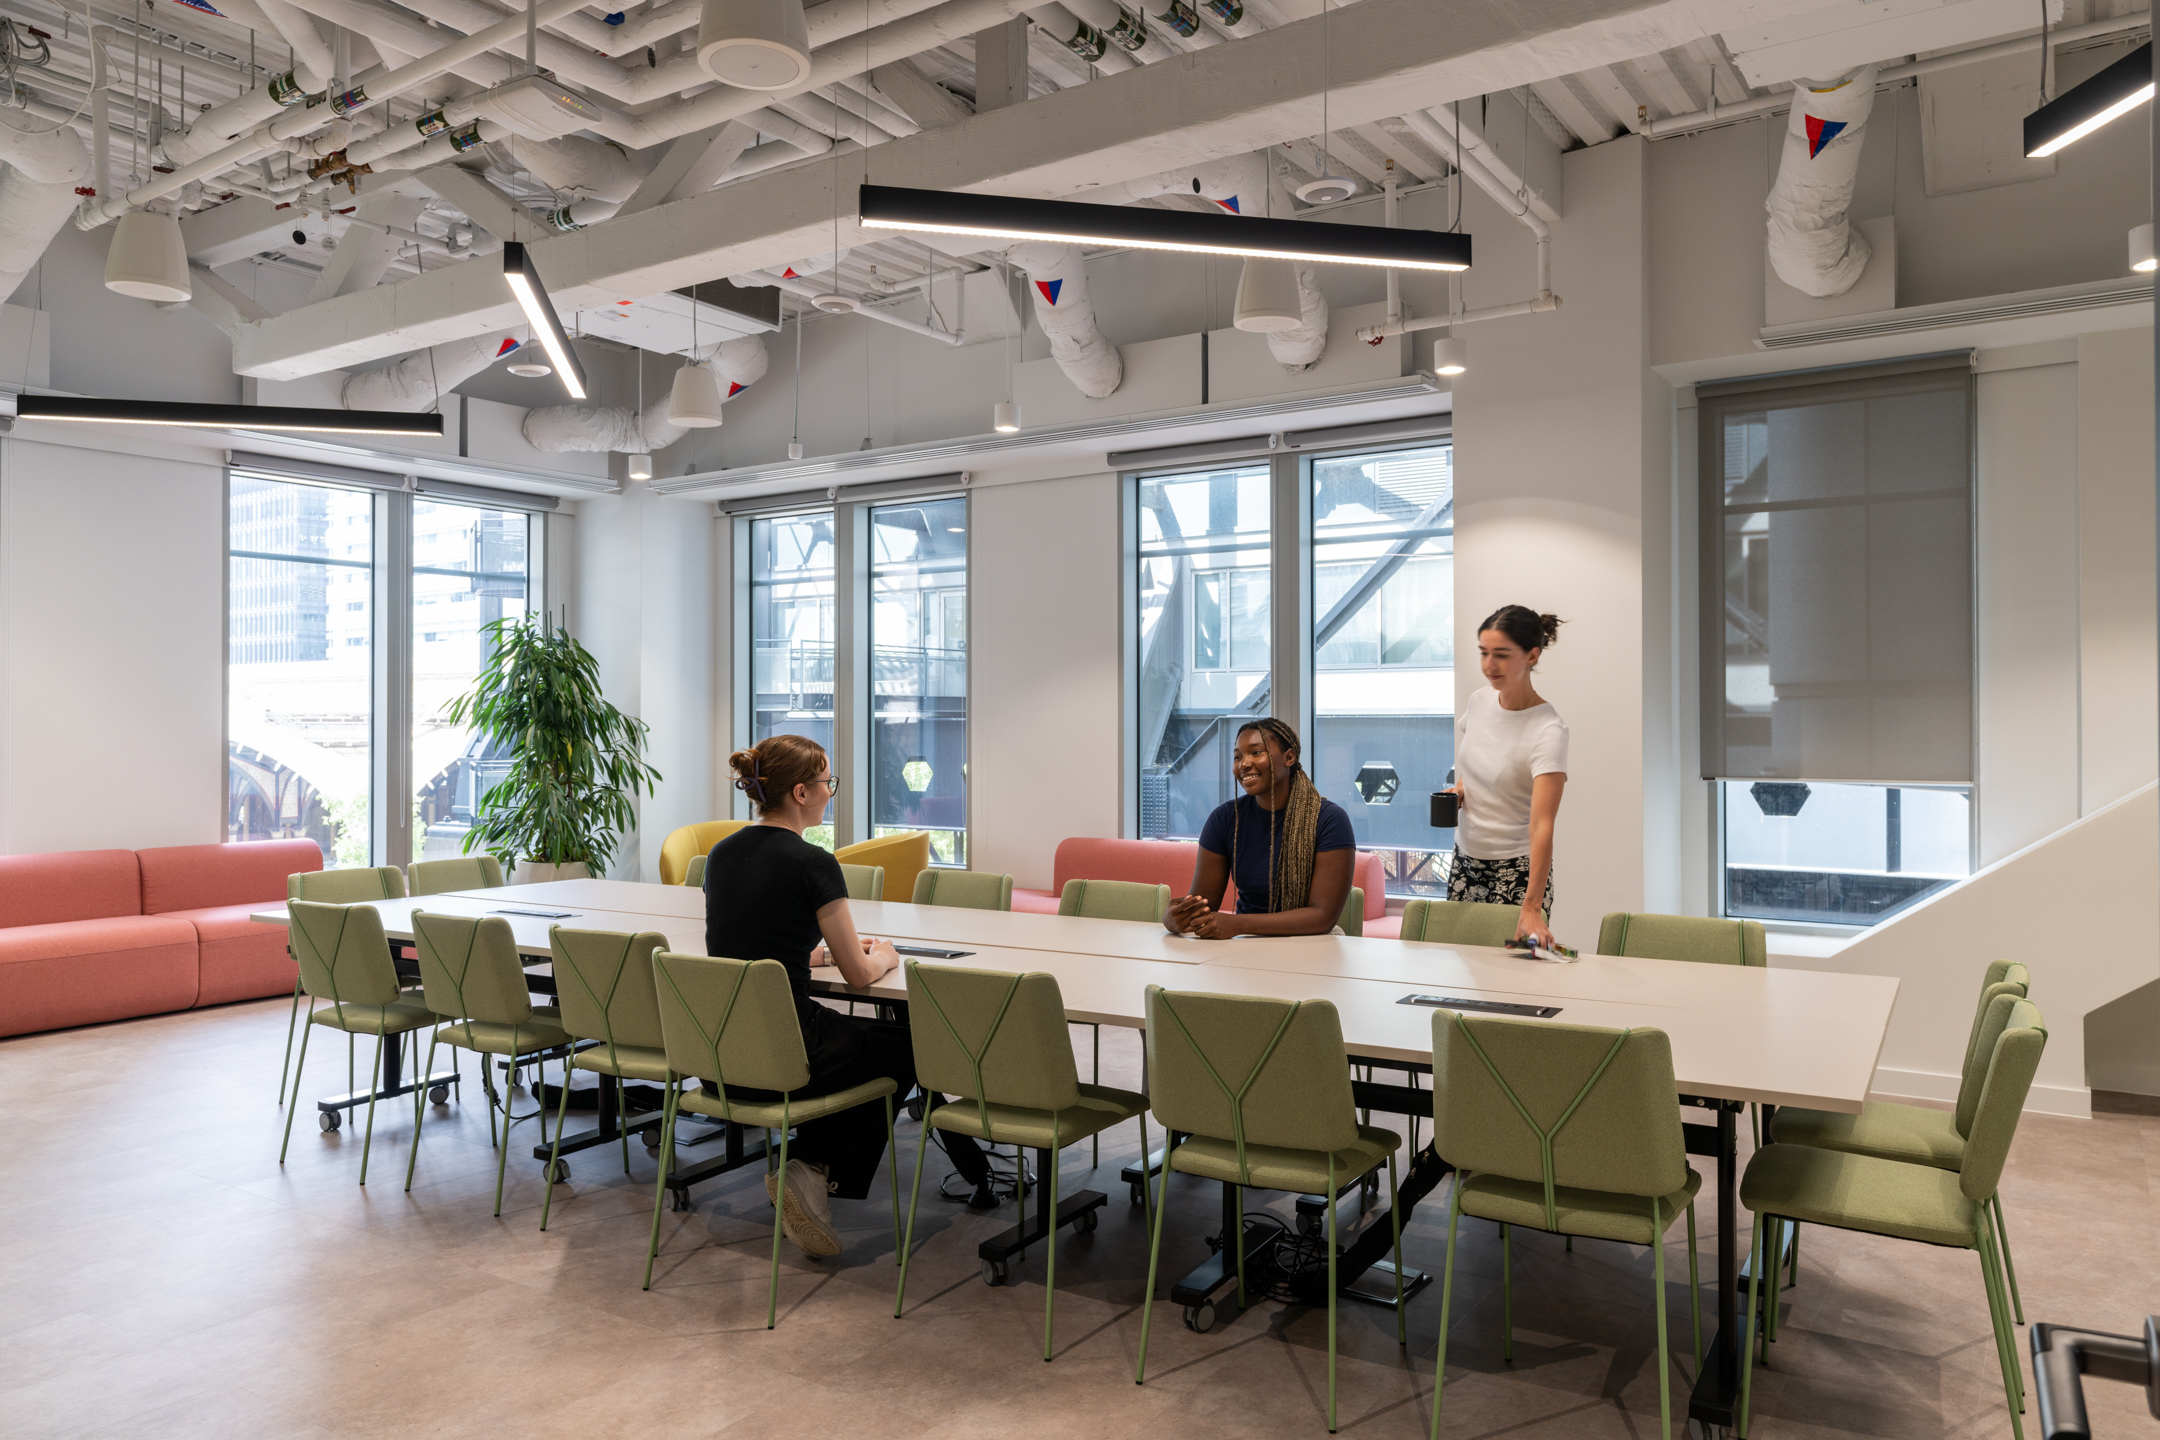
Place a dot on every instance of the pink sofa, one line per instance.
(1171, 862)
(94, 935)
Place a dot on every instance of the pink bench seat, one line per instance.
(1171, 862)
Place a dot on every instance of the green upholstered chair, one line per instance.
(694, 873)
(332, 887)
(1459, 922)
(1571, 1129)
(344, 958)
(1914, 1133)
(732, 1023)
(997, 1042)
(475, 979)
(462, 872)
(1261, 1088)
(967, 889)
(1115, 900)
(864, 882)
(1683, 937)
(1352, 919)
(1927, 1203)
(604, 990)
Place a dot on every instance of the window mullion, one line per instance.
(853, 694)
(1290, 591)
(390, 807)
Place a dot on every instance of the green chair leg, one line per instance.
(562, 1109)
(622, 1114)
(2002, 1243)
(922, 1149)
(1694, 1285)
(1147, 1301)
(1507, 1297)
(667, 1158)
(1050, 1265)
(1447, 1299)
(420, 1105)
(1664, 1354)
(502, 1155)
(1748, 1326)
(1237, 1208)
(299, 1066)
(2005, 1350)
(1330, 1289)
(286, 1064)
(772, 1287)
(367, 1143)
(1792, 1279)
(1773, 1246)
(1402, 1324)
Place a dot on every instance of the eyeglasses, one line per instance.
(832, 784)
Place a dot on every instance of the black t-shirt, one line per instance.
(1249, 867)
(763, 888)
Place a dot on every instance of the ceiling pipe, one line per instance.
(1445, 127)
(37, 194)
(308, 46)
(1895, 74)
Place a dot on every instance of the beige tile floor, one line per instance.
(161, 1276)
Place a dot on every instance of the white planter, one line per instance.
(536, 872)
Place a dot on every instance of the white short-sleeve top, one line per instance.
(1497, 754)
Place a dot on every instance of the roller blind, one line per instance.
(1837, 574)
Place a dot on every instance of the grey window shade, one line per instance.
(1837, 574)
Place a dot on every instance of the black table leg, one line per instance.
(1717, 1390)
(388, 1086)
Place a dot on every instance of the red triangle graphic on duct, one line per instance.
(1050, 289)
(1821, 132)
(733, 390)
(507, 346)
(1230, 205)
(789, 274)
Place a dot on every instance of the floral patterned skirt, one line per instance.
(1494, 882)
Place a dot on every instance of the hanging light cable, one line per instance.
(694, 402)
(794, 444)
(1330, 187)
(641, 461)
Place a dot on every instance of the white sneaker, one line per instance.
(806, 1217)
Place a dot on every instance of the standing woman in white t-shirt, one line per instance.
(1510, 766)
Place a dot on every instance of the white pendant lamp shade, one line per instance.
(756, 44)
(1450, 356)
(641, 467)
(794, 449)
(1267, 296)
(1005, 418)
(148, 259)
(695, 401)
(2141, 249)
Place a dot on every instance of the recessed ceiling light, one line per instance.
(1327, 190)
(836, 304)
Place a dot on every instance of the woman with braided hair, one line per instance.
(1290, 851)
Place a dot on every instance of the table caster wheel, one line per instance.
(1311, 1226)
(995, 1272)
(1084, 1223)
(329, 1120)
(559, 1172)
(651, 1139)
(915, 1108)
(1200, 1318)
(1368, 1194)
(1139, 1193)
(438, 1094)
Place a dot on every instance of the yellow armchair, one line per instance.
(903, 856)
(691, 840)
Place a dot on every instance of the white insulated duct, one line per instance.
(1813, 245)
(416, 382)
(736, 363)
(37, 195)
(1058, 276)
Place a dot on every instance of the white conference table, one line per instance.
(1739, 1035)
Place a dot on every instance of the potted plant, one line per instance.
(575, 760)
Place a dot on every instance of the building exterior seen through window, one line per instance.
(1384, 652)
(1203, 656)
(469, 570)
(792, 633)
(299, 666)
(919, 674)
(1841, 854)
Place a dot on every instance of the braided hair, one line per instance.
(1291, 853)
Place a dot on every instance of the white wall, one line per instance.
(112, 649)
(1047, 686)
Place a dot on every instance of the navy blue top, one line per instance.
(1249, 868)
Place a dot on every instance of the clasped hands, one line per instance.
(1194, 915)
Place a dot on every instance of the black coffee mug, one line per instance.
(1446, 809)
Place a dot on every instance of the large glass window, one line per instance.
(469, 570)
(918, 682)
(1204, 648)
(299, 670)
(792, 632)
(1384, 652)
(1841, 854)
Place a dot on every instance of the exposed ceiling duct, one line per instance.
(1057, 274)
(37, 194)
(1814, 246)
(418, 381)
(735, 363)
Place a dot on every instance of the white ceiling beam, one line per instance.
(691, 165)
(1587, 125)
(929, 105)
(487, 207)
(1385, 57)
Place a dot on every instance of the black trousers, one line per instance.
(844, 1052)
